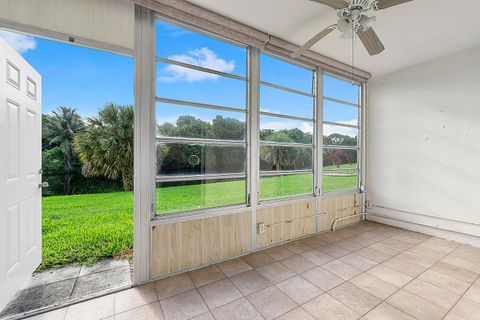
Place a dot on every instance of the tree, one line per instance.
(60, 129)
(105, 147)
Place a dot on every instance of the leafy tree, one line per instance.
(105, 147)
(60, 129)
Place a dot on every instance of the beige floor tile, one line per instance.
(205, 316)
(183, 306)
(411, 237)
(415, 306)
(355, 298)
(363, 240)
(375, 286)
(426, 252)
(234, 267)
(135, 297)
(275, 272)
(297, 247)
(342, 269)
(385, 311)
(386, 249)
(440, 245)
(206, 275)
(473, 294)
(279, 252)
(322, 278)
(454, 272)
(258, 259)
(325, 307)
(299, 289)
(271, 302)
(453, 316)
(240, 309)
(407, 263)
(390, 275)
(443, 281)
(373, 254)
(375, 235)
(297, 314)
(462, 263)
(94, 309)
(328, 237)
(349, 245)
(298, 264)
(173, 285)
(146, 312)
(58, 314)
(333, 251)
(359, 262)
(313, 242)
(398, 244)
(467, 309)
(219, 293)
(441, 297)
(344, 233)
(466, 254)
(316, 256)
(250, 282)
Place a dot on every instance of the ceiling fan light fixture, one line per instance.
(343, 25)
(367, 22)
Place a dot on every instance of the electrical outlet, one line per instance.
(260, 227)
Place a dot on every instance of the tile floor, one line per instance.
(60, 286)
(368, 271)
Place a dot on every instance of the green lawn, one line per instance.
(83, 228)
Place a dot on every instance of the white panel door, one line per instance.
(20, 175)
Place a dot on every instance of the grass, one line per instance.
(84, 228)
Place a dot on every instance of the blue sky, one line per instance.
(86, 79)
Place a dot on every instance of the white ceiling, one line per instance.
(412, 33)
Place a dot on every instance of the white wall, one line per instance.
(424, 144)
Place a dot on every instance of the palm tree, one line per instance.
(62, 126)
(105, 147)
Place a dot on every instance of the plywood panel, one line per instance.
(189, 244)
(332, 208)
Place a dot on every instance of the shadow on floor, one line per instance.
(60, 286)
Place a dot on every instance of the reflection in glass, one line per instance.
(285, 130)
(202, 194)
(277, 158)
(192, 122)
(193, 159)
(286, 186)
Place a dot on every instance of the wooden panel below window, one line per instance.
(332, 208)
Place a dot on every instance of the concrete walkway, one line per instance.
(61, 286)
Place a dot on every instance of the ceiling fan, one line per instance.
(352, 16)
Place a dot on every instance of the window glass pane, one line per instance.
(284, 102)
(340, 89)
(285, 74)
(340, 160)
(338, 182)
(338, 135)
(273, 158)
(340, 113)
(286, 186)
(174, 82)
(194, 195)
(285, 130)
(176, 43)
(187, 159)
(192, 122)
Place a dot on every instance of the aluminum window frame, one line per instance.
(204, 141)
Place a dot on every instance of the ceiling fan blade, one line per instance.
(371, 41)
(383, 4)
(335, 4)
(297, 53)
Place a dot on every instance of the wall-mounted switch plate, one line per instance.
(260, 227)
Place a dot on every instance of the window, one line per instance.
(286, 150)
(201, 121)
(340, 134)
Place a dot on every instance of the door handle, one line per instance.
(43, 184)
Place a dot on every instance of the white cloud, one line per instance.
(19, 42)
(280, 125)
(202, 57)
(352, 132)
